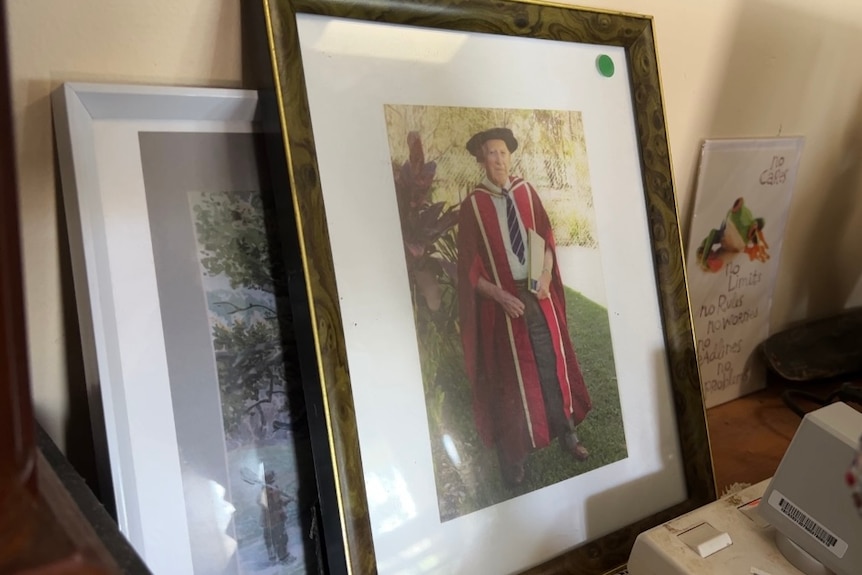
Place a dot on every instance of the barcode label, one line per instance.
(808, 524)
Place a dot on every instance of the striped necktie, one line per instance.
(514, 228)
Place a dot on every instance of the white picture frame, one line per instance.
(178, 488)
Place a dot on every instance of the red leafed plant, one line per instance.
(427, 227)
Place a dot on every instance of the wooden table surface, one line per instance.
(749, 435)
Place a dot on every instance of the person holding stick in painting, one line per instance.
(526, 381)
(273, 514)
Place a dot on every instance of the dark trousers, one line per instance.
(559, 423)
(546, 360)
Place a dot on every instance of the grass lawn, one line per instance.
(475, 482)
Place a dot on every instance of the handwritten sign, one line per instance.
(741, 205)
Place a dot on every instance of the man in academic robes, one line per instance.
(526, 381)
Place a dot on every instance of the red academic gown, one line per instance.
(508, 406)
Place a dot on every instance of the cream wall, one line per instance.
(174, 42)
(729, 68)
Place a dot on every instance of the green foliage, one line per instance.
(573, 228)
(250, 367)
(233, 242)
(428, 232)
(437, 332)
(430, 247)
(231, 232)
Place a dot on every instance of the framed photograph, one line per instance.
(186, 328)
(497, 309)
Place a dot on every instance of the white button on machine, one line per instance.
(705, 539)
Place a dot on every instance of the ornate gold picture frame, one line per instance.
(389, 112)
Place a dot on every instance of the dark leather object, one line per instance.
(823, 349)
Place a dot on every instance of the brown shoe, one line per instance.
(574, 447)
(579, 452)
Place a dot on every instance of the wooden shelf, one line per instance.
(61, 529)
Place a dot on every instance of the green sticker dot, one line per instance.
(605, 65)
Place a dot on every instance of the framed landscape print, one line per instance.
(186, 330)
(496, 305)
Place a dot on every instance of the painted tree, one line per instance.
(253, 328)
(232, 233)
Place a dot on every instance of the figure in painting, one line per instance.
(739, 232)
(526, 382)
(273, 515)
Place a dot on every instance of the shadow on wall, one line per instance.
(835, 228)
(787, 74)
